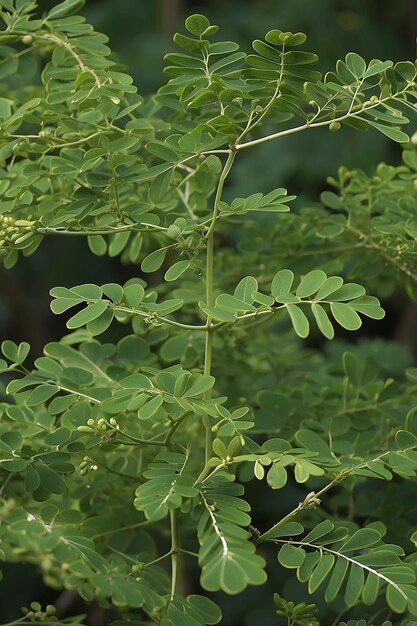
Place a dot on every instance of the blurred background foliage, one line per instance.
(140, 34)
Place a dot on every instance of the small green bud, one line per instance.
(85, 429)
(374, 99)
(91, 422)
(23, 238)
(137, 567)
(113, 422)
(27, 40)
(334, 127)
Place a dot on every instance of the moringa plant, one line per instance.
(127, 447)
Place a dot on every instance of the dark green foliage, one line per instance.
(108, 449)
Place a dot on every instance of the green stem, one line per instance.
(210, 292)
(159, 318)
(307, 125)
(176, 424)
(120, 529)
(174, 553)
(310, 499)
(100, 231)
(144, 442)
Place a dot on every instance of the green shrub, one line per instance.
(123, 463)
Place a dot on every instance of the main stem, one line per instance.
(174, 553)
(210, 291)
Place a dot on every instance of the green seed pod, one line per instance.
(334, 127)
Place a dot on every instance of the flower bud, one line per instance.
(85, 429)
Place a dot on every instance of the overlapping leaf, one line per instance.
(227, 556)
(358, 564)
(167, 484)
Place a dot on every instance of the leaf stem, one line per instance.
(310, 501)
(307, 125)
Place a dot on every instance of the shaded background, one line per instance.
(140, 33)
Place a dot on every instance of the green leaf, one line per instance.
(191, 611)
(160, 186)
(176, 270)
(282, 283)
(150, 408)
(369, 306)
(345, 315)
(356, 64)
(97, 244)
(217, 313)
(310, 283)
(226, 301)
(354, 585)
(377, 67)
(154, 260)
(197, 24)
(322, 320)
(63, 9)
(336, 580)
(349, 291)
(392, 133)
(320, 572)
(245, 288)
(90, 313)
(291, 556)
(277, 476)
(362, 538)
(227, 556)
(299, 320)
(166, 481)
(133, 294)
(199, 386)
(41, 394)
